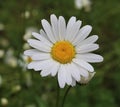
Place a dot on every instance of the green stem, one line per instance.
(58, 95)
(65, 95)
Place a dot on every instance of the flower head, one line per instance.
(86, 4)
(24, 61)
(10, 59)
(2, 26)
(4, 101)
(1, 53)
(64, 50)
(28, 32)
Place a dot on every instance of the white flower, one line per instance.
(26, 46)
(10, 59)
(28, 32)
(64, 50)
(86, 4)
(23, 61)
(16, 88)
(2, 26)
(27, 14)
(4, 42)
(4, 101)
(1, 53)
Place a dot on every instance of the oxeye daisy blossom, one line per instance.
(86, 4)
(64, 50)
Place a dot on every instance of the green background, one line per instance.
(102, 91)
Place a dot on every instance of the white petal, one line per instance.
(43, 34)
(71, 21)
(38, 45)
(38, 65)
(54, 23)
(72, 32)
(55, 68)
(89, 57)
(67, 74)
(83, 64)
(83, 33)
(41, 65)
(41, 38)
(31, 52)
(33, 64)
(46, 69)
(61, 78)
(41, 56)
(72, 68)
(48, 30)
(45, 72)
(73, 82)
(83, 72)
(87, 48)
(62, 28)
(89, 40)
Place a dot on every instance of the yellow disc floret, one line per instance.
(63, 52)
(29, 59)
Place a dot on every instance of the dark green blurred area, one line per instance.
(102, 91)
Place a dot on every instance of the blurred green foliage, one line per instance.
(102, 91)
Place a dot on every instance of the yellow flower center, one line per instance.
(63, 52)
(29, 59)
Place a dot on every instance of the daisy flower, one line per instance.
(2, 52)
(4, 101)
(64, 50)
(2, 26)
(28, 32)
(86, 4)
(10, 59)
(23, 61)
